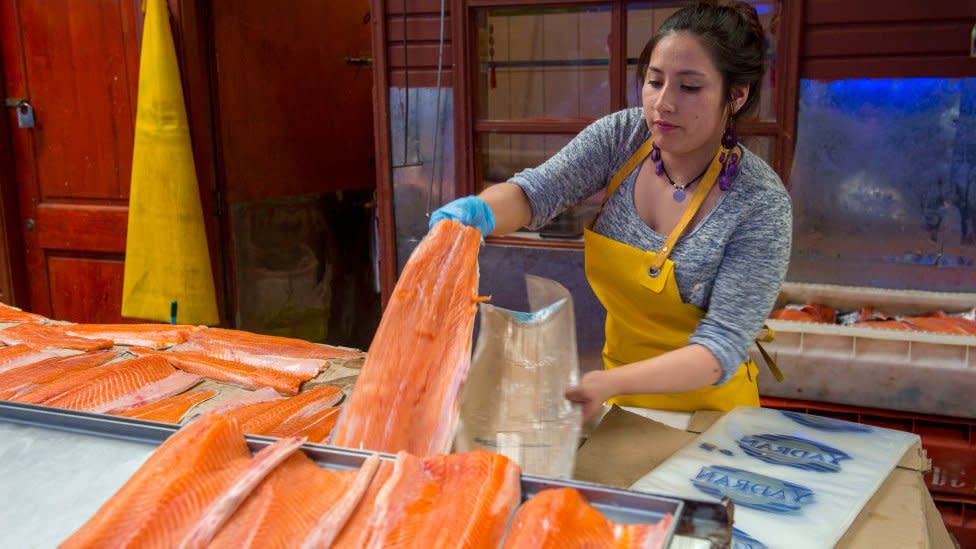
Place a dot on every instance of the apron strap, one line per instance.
(708, 181)
(766, 337)
(639, 155)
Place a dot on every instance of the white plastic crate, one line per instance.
(891, 369)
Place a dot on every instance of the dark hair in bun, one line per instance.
(732, 34)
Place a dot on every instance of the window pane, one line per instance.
(760, 145)
(504, 154)
(643, 20)
(543, 62)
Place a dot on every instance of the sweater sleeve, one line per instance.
(581, 168)
(749, 279)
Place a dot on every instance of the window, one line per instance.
(536, 74)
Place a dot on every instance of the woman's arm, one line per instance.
(685, 369)
(509, 205)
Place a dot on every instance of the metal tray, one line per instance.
(59, 466)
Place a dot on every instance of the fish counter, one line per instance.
(61, 466)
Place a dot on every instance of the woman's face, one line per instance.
(682, 96)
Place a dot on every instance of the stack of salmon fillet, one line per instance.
(963, 323)
(202, 488)
(151, 372)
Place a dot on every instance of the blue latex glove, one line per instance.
(470, 210)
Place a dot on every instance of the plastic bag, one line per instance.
(513, 401)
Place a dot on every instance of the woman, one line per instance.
(691, 245)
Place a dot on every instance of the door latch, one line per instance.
(25, 112)
(361, 61)
(25, 115)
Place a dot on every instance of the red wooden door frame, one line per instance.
(13, 271)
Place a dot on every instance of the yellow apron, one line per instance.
(645, 314)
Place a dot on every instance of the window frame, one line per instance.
(465, 73)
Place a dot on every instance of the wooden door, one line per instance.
(294, 107)
(76, 62)
(294, 131)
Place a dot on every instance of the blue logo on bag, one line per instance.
(752, 490)
(742, 540)
(794, 452)
(826, 423)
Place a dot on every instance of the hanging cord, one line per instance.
(406, 85)
(438, 160)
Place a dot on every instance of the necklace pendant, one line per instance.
(678, 195)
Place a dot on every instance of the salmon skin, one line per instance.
(187, 485)
(155, 336)
(561, 517)
(18, 381)
(169, 410)
(421, 352)
(45, 336)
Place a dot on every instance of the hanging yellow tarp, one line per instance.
(166, 255)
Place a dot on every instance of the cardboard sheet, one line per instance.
(626, 446)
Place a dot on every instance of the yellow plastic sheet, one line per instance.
(166, 255)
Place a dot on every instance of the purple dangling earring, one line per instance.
(656, 158)
(729, 138)
(728, 158)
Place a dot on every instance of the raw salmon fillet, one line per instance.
(941, 322)
(15, 356)
(289, 416)
(203, 466)
(561, 517)
(169, 410)
(286, 506)
(444, 501)
(810, 312)
(278, 353)
(21, 380)
(421, 352)
(356, 527)
(235, 373)
(154, 336)
(261, 395)
(13, 314)
(94, 388)
(315, 427)
(50, 336)
(173, 384)
(295, 409)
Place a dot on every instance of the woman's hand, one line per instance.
(594, 388)
(470, 210)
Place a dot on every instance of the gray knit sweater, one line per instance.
(731, 264)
